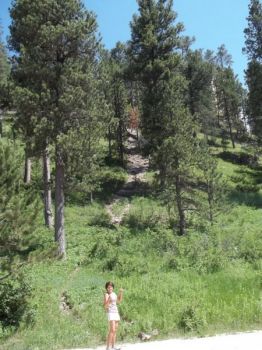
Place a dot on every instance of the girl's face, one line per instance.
(110, 289)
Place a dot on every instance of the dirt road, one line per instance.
(238, 341)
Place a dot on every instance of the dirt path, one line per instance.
(239, 341)
(136, 168)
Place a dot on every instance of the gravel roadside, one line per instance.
(239, 341)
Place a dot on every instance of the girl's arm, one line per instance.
(106, 301)
(120, 295)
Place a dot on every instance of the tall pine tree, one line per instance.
(154, 39)
(4, 73)
(201, 98)
(54, 41)
(253, 49)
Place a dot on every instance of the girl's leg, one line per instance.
(111, 335)
(114, 335)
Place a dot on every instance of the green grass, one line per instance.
(174, 303)
(175, 300)
(206, 283)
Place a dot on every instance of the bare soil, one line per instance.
(137, 165)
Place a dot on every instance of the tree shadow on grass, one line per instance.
(249, 199)
(247, 179)
(254, 174)
(248, 187)
(239, 158)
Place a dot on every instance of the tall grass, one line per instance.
(174, 303)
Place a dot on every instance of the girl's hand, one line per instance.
(121, 290)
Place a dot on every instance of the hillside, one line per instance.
(207, 282)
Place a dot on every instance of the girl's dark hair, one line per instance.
(109, 283)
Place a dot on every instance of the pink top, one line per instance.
(112, 306)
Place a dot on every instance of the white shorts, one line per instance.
(113, 316)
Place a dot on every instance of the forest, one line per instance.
(141, 164)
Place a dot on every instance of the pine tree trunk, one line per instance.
(49, 222)
(210, 191)
(27, 169)
(1, 124)
(218, 116)
(109, 143)
(120, 142)
(229, 122)
(181, 214)
(231, 133)
(59, 204)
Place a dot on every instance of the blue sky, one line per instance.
(211, 22)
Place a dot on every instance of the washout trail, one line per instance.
(137, 165)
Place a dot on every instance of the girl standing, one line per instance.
(110, 305)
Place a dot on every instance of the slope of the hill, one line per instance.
(208, 282)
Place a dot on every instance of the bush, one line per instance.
(130, 264)
(145, 213)
(163, 240)
(250, 247)
(103, 247)
(14, 305)
(199, 252)
(103, 220)
(191, 319)
(111, 179)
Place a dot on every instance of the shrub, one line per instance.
(145, 213)
(163, 240)
(100, 218)
(250, 247)
(191, 319)
(130, 264)
(103, 247)
(111, 179)
(14, 304)
(199, 252)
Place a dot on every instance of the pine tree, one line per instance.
(253, 50)
(4, 73)
(4, 64)
(228, 92)
(253, 33)
(176, 157)
(165, 121)
(154, 38)
(214, 187)
(119, 101)
(18, 207)
(82, 146)
(254, 105)
(18, 220)
(55, 41)
(201, 98)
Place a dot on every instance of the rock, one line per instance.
(143, 336)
